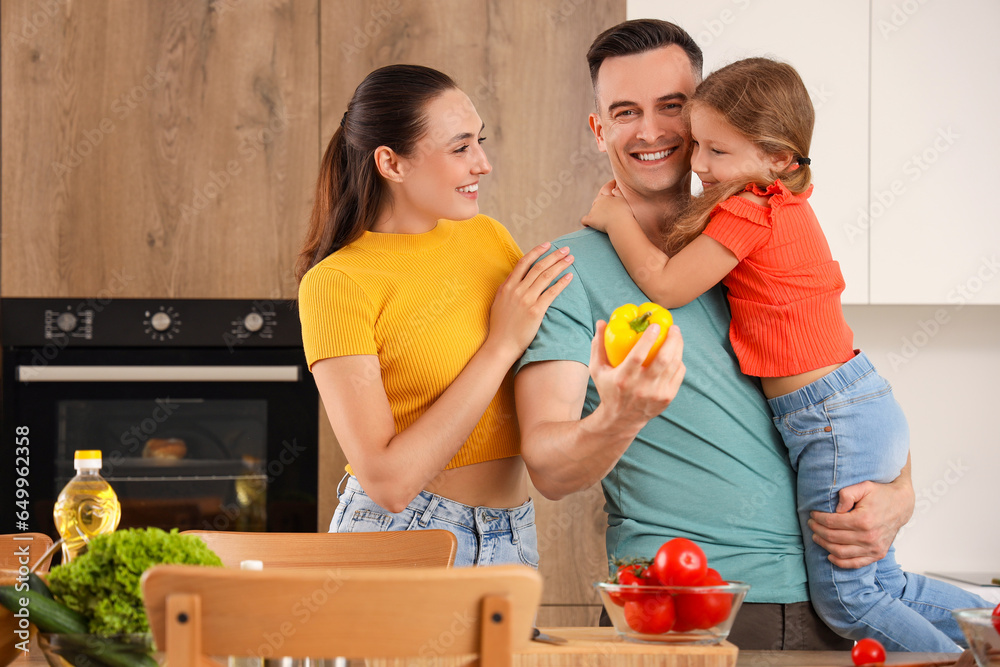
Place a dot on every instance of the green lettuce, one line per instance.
(103, 583)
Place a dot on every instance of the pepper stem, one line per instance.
(640, 323)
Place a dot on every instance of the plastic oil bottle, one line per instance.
(87, 505)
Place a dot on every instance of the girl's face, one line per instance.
(720, 153)
(442, 176)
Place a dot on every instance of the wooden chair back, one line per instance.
(24, 549)
(196, 611)
(416, 548)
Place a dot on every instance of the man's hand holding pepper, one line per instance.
(632, 394)
(564, 453)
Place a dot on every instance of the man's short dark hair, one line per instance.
(639, 36)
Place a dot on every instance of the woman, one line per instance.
(411, 320)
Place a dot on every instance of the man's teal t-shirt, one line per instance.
(711, 467)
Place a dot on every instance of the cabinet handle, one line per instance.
(158, 373)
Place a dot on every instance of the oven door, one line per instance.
(191, 438)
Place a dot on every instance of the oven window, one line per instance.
(174, 463)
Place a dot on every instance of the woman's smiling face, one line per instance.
(442, 175)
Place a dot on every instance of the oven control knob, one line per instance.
(253, 322)
(66, 322)
(160, 321)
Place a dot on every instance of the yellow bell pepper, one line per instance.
(626, 325)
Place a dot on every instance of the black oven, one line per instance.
(204, 410)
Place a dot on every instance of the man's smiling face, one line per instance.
(639, 122)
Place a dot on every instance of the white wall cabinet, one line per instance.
(935, 152)
(902, 90)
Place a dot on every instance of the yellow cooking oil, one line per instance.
(87, 506)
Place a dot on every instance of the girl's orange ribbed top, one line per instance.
(785, 291)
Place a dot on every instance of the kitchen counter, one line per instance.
(539, 654)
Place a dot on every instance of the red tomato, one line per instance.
(628, 575)
(712, 578)
(996, 618)
(679, 562)
(702, 610)
(868, 652)
(631, 575)
(652, 615)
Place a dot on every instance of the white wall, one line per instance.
(944, 366)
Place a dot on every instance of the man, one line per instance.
(711, 467)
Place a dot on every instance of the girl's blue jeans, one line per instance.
(843, 429)
(486, 535)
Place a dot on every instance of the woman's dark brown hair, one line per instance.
(766, 102)
(387, 109)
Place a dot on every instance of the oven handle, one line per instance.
(158, 373)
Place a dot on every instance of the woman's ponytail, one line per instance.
(330, 195)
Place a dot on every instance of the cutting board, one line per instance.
(593, 647)
(603, 646)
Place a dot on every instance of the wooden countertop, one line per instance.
(600, 647)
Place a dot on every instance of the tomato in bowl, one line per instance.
(701, 614)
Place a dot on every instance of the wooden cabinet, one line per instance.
(171, 148)
(157, 149)
(934, 142)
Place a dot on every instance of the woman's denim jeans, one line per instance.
(486, 535)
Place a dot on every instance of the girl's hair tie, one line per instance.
(343, 119)
(801, 160)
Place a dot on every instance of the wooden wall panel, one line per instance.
(157, 148)
(523, 65)
(573, 616)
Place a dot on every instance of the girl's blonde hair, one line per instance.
(766, 102)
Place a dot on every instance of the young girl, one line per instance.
(753, 229)
(411, 321)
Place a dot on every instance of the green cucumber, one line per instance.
(55, 617)
(38, 584)
(95, 651)
(48, 615)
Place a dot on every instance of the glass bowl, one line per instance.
(984, 641)
(673, 614)
(64, 650)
